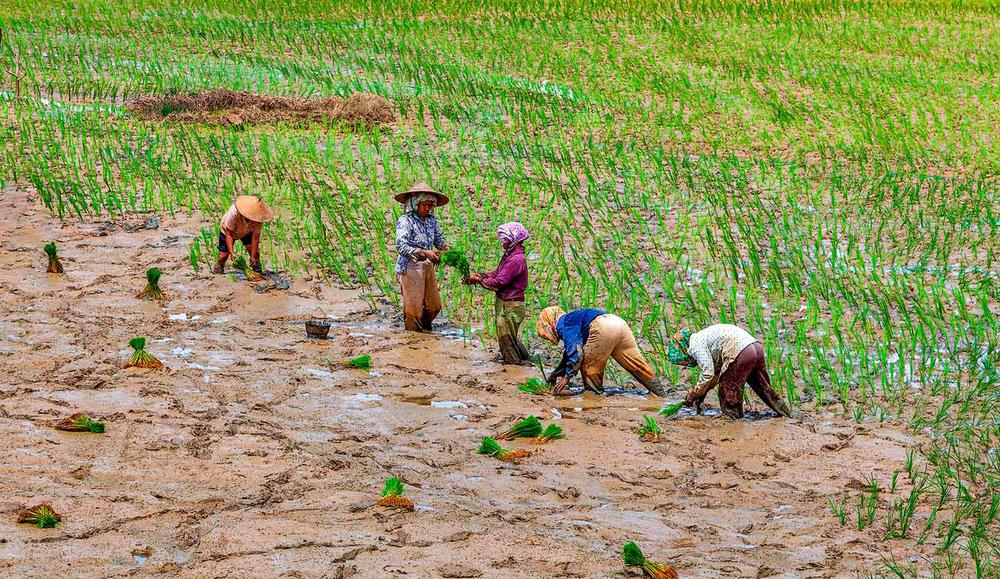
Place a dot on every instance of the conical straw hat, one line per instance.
(251, 207)
(442, 199)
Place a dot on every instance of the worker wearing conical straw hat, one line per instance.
(730, 357)
(590, 338)
(419, 242)
(509, 280)
(244, 221)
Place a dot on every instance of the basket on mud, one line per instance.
(318, 329)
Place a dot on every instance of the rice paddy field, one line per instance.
(823, 173)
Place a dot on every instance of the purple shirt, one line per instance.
(510, 278)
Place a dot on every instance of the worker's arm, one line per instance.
(254, 250)
(229, 241)
(701, 353)
(439, 242)
(503, 275)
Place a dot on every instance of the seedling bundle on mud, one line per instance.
(550, 433)
(43, 516)
(649, 431)
(528, 427)
(670, 410)
(632, 557)
(140, 357)
(362, 362)
(55, 266)
(240, 263)
(392, 495)
(535, 386)
(80, 422)
(152, 290)
(491, 447)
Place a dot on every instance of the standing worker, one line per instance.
(590, 337)
(419, 242)
(509, 281)
(730, 357)
(244, 221)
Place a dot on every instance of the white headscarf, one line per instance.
(417, 199)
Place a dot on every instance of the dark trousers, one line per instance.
(748, 369)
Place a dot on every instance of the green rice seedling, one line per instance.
(535, 386)
(839, 510)
(43, 516)
(527, 427)
(632, 557)
(55, 266)
(670, 410)
(392, 495)
(491, 447)
(456, 258)
(140, 357)
(362, 362)
(649, 431)
(152, 290)
(240, 263)
(80, 422)
(550, 433)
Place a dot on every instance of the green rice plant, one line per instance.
(535, 386)
(362, 362)
(55, 266)
(392, 495)
(240, 263)
(152, 290)
(527, 427)
(491, 447)
(80, 422)
(43, 516)
(140, 357)
(550, 433)
(632, 557)
(456, 258)
(649, 431)
(839, 510)
(671, 410)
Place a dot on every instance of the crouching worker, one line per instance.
(509, 281)
(730, 357)
(244, 222)
(419, 242)
(589, 338)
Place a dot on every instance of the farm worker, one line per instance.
(730, 357)
(509, 281)
(243, 221)
(589, 338)
(419, 242)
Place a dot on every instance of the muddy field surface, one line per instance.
(251, 457)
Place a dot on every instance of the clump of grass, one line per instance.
(456, 259)
(392, 495)
(649, 431)
(535, 386)
(43, 516)
(491, 447)
(528, 427)
(362, 362)
(80, 422)
(152, 290)
(671, 409)
(632, 557)
(240, 263)
(55, 266)
(551, 432)
(141, 358)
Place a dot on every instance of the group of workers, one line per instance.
(728, 356)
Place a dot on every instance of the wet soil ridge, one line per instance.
(233, 107)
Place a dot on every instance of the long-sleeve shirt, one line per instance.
(715, 348)
(414, 233)
(510, 278)
(236, 225)
(574, 329)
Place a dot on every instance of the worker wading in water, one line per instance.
(729, 357)
(589, 338)
(509, 281)
(419, 242)
(244, 221)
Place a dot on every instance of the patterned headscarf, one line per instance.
(417, 199)
(547, 320)
(512, 233)
(678, 351)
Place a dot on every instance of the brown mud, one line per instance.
(231, 108)
(250, 457)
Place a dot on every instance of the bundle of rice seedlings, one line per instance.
(649, 431)
(80, 422)
(535, 386)
(671, 409)
(528, 427)
(41, 515)
(456, 259)
(392, 495)
(140, 358)
(551, 432)
(152, 290)
(492, 448)
(633, 557)
(362, 362)
(240, 263)
(55, 266)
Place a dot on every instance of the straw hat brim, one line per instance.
(442, 199)
(251, 207)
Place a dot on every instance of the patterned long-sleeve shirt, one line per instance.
(413, 233)
(715, 348)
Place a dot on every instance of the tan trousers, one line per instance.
(610, 337)
(421, 301)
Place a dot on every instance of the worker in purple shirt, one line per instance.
(509, 281)
(590, 338)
